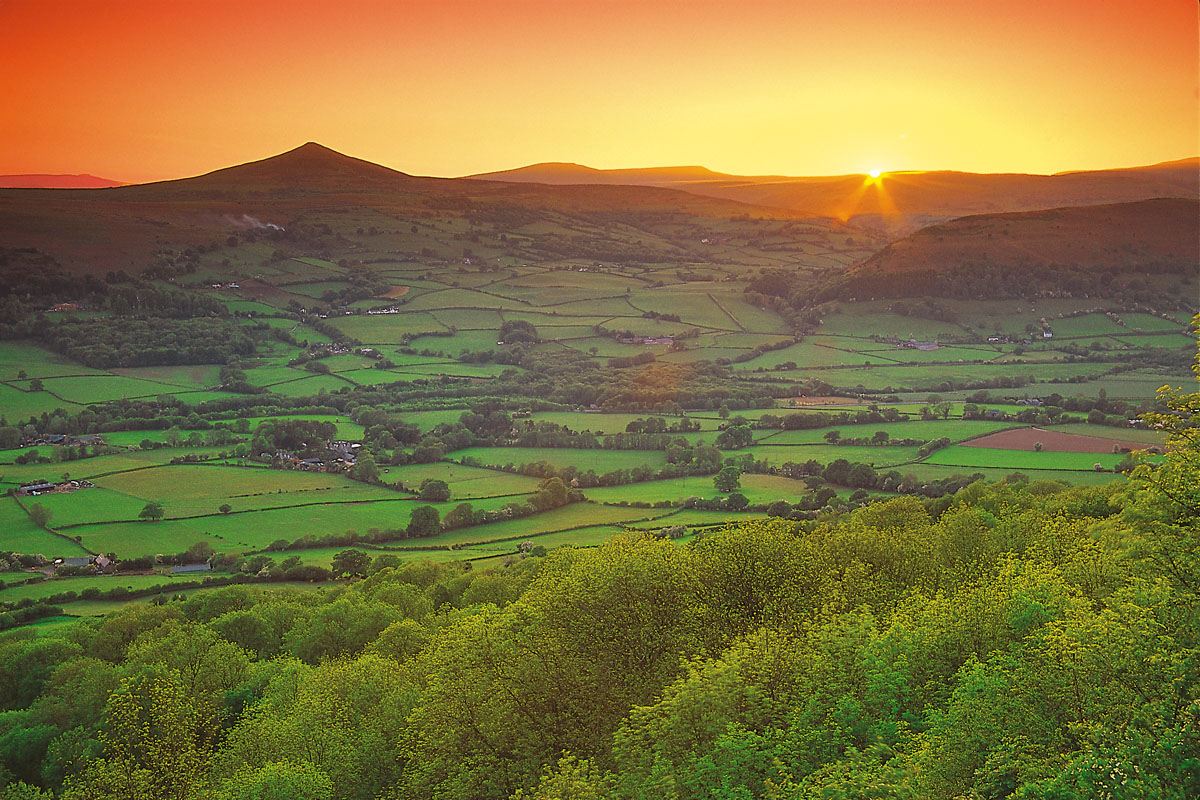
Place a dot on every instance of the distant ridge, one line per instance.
(918, 196)
(124, 227)
(47, 181)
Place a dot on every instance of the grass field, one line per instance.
(600, 461)
(102, 388)
(956, 455)
(465, 482)
(18, 533)
(954, 429)
(36, 362)
(564, 304)
(41, 589)
(18, 405)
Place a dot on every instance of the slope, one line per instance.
(328, 199)
(903, 194)
(1065, 250)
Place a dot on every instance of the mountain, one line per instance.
(898, 194)
(1073, 249)
(333, 201)
(56, 182)
(560, 173)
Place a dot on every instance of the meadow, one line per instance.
(585, 317)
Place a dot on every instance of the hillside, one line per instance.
(905, 194)
(315, 191)
(1092, 243)
(56, 182)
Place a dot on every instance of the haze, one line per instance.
(136, 90)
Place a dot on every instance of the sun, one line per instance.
(875, 173)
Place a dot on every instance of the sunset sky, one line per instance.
(147, 89)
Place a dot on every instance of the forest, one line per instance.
(1020, 640)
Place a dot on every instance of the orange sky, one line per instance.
(146, 89)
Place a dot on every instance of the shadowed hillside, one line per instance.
(1066, 250)
(324, 202)
(938, 194)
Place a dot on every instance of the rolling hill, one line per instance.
(333, 202)
(910, 196)
(56, 182)
(1065, 250)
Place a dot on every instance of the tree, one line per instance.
(735, 437)
(35, 385)
(736, 501)
(880, 437)
(279, 780)
(40, 515)
(351, 562)
(425, 521)
(518, 330)
(780, 508)
(551, 493)
(728, 479)
(434, 490)
(156, 743)
(365, 468)
(1037, 447)
(153, 511)
(10, 437)
(460, 516)
(225, 508)
(833, 436)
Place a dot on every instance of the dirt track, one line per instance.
(1052, 441)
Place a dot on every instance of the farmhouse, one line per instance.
(59, 439)
(99, 562)
(916, 344)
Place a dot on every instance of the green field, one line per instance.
(465, 482)
(19, 405)
(18, 533)
(1021, 459)
(428, 386)
(598, 460)
(41, 589)
(36, 362)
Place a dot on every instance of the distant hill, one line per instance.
(56, 182)
(1068, 250)
(314, 192)
(912, 195)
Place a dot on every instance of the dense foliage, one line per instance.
(1019, 640)
(135, 342)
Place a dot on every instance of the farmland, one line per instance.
(488, 371)
(235, 504)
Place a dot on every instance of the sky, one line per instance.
(138, 90)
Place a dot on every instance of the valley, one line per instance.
(497, 340)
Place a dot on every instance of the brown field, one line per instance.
(1052, 441)
(394, 292)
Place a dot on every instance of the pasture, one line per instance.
(448, 308)
(600, 461)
